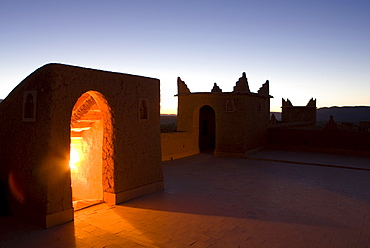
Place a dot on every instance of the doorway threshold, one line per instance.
(85, 203)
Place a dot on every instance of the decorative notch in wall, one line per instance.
(230, 106)
(143, 109)
(29, 106)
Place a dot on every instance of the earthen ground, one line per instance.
(226, 202)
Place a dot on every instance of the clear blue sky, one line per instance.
(306, 49)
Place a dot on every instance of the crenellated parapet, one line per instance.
(241, 87)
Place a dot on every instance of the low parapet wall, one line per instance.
(178, 145)
(342, 142)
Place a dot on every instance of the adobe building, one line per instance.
(232, 123)
(69, 138)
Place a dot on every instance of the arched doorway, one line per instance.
(86, 149)
(207, 128)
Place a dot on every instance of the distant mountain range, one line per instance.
(344, 114)
(340, 114)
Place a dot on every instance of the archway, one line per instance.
(86, 149)
(207, 128)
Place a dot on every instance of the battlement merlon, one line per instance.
(216, 89)
(242, 85)
(265, 89)
(311, 103)
(286, 103)
(182, 88)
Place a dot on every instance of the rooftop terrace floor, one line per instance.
(226, 202)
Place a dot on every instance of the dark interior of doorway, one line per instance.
(207, 129)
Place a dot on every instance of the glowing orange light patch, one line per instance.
(75, 155)
(15, 188)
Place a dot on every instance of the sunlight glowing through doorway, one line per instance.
(86, 152)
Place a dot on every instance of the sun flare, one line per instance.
(75, 157)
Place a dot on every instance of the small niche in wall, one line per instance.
(143, 109)
(29, 106)
(230, 106)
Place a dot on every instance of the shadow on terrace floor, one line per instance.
(263, 190)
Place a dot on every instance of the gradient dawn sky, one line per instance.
(318, 49)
